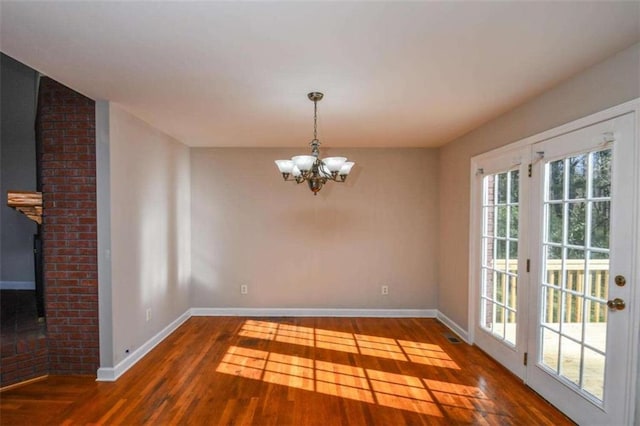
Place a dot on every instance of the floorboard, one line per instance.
(293, 371)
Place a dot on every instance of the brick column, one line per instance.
(23, 360)
(66, 151)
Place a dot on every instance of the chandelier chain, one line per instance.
(315, 120)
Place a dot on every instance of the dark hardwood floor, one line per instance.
(293, 371)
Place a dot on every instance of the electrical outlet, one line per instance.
(384, 290)
(148, 314)
(244, 289)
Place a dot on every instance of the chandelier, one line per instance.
(311, 168)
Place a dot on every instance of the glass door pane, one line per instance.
(500, 219)
(575, 276)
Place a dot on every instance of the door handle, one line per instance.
(616, 304)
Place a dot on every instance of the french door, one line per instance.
(502, 312)
(552, 255)
(582, 257)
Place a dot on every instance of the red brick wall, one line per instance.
(67, 151)
(24, 360)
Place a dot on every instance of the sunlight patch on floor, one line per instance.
(372, 386)
(381, 347)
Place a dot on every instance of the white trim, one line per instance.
(17, 285)
(103, 202)
(632, 410)
(607, 114)
(314, 312)
(453, 326)
(474, 250)
(109, 374)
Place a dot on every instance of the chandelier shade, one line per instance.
(334, 164)
(303, 162)
(311, 168)
(285, 166)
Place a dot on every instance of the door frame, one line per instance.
(632, 106)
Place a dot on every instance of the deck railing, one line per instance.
(595, 286)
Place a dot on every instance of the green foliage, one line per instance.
(567, 194)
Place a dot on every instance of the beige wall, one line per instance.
(295, 250)
(606, 84)
(150, 230)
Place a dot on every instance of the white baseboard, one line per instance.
(453, 326)
(17, 285)
(313, 312)
(111, 374)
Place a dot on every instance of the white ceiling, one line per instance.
(236, 74)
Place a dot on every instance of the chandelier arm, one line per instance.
(290, 178)
(338, 179)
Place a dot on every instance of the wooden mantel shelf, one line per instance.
(28, 203)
